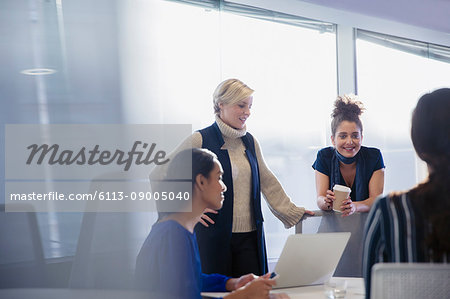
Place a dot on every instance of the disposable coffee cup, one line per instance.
(340, 194)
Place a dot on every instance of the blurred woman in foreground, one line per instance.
(414, 226)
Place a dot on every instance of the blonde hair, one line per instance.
(229, 92)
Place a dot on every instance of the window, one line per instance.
(159, 62)
(290, 62)
(392, 74)
(293, 72)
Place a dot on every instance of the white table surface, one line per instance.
(355, 290)
(49, 293)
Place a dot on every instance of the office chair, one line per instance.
(22, 263)
(107, 248)
(410, 281)
(103, 259)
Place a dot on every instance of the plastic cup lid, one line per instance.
(341, 188)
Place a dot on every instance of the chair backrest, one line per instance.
(107, 247)
(22, 261)
(350, 264)
(102, 259)
(410, 281)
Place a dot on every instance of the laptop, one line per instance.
(309, 259)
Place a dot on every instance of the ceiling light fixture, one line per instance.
(38, 72)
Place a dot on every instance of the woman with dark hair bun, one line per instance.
(168, 264)
(348, 163)
(414, 226)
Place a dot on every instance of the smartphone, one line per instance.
(274, 275)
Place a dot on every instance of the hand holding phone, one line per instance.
(274, 275)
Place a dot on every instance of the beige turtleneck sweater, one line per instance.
(279, 203)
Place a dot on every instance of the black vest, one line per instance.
(214, 241)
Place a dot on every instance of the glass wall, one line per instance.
(157, 61)
(291, 68)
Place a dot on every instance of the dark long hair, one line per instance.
(184, 167)
(430, 134)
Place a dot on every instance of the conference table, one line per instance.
(51, 293)
(355, 290)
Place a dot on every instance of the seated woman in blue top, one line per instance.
(168, 264)
(414, 226)
(348, 163)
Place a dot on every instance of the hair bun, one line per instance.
(347, 105)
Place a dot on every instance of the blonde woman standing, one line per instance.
(231, 241)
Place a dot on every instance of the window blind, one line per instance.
(419, 48)
(262, 14)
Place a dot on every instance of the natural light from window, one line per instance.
(390, 82)
(292, 70)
